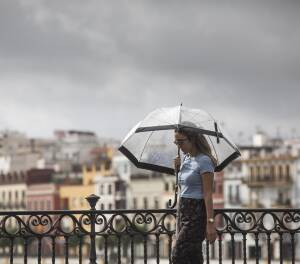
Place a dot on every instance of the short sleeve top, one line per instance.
(190, 179)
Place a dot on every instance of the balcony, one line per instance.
(143, 236)
(267, 180)
(280, 203)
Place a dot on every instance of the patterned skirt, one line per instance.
(192, 228)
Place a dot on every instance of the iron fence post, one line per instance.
(92, 200)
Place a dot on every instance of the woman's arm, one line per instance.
(207, 180)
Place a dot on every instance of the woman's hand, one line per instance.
(211, 233)
(177, 163)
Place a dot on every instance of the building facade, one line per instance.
(13, 191)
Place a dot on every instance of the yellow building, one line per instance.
(73, 195)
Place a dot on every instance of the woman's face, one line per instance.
(183, 142)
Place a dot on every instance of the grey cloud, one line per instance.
(104, 64)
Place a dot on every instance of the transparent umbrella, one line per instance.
(149, 144)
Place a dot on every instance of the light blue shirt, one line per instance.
(190, 179)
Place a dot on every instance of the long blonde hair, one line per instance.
(199, 140)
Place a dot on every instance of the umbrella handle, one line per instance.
(170, 205)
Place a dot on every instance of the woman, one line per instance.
(196, 217)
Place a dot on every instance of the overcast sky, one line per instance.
(104, 65)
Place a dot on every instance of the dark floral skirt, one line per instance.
(192, 228)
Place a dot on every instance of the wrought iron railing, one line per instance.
(144, 236)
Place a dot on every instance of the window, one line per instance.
(258, 172)
(156, 203)
(120, 204)
(134, 203)
(118, 186)
(145, 203)
(280, 172)
(110, 206)
(280, 198)
(48, 205)
(237, 197)
(237, 248)
(287, 171)
(272, 171)
(230, 193)
(107, 165)
(64, 204)
(253, 252)
(166, 187)
(101, 189)
(251, 172)
(239, 167)
(102, 206)
(109, 189)
(98, 167)
(265, 171)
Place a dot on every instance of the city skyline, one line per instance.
(104, 66)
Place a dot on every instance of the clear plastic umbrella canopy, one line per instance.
(150, 143)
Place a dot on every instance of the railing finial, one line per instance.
(92, 200)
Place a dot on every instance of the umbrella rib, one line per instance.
(214, 148)
(145, 145)
(193, 117)
(164, 121)
(161, 120)
(229, 143)
(157, 119)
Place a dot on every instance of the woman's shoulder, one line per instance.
(205, 163)
(203, 158)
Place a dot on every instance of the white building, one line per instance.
(236, 194)
(20, 153)
(151, 191)
(76, 145)
(112, 192)
(19, 162)
(12, 142)
(13, 191)
(266, 176)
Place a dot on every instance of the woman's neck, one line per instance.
(194, 152)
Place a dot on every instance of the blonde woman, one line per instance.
(196, 217)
